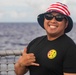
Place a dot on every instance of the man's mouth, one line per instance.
(53, 26)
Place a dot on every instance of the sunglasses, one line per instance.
(50, 16)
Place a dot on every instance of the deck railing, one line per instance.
(7, 60)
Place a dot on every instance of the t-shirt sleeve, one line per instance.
(34, 41)
(30, 44)
(69, 64)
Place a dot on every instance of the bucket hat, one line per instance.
(60, 8)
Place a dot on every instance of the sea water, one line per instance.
(16, 36)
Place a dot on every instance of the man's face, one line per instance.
(55, 25)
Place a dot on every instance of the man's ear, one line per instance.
(66, 24)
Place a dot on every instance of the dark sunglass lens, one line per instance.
(49, 16)
(59, 17)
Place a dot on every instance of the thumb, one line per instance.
(24, 51)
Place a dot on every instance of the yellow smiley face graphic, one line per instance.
(52, 54)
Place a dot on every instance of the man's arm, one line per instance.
(69, 73)
(24, 61)
(20, 69)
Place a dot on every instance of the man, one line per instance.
(54, 53)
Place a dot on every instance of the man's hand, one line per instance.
(27, 59)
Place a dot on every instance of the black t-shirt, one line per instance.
(55, 57)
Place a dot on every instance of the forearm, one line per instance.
(69, 73)
(20, 69)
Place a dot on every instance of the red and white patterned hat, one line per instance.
(60, 8)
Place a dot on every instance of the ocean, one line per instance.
(16, 36)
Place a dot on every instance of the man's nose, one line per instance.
(53, 19)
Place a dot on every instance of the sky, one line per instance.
(27, 10)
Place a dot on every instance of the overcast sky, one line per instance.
(27, 10)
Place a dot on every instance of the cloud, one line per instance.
(21, 9)
(17, 15)
(1, 14)
(12, 3)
